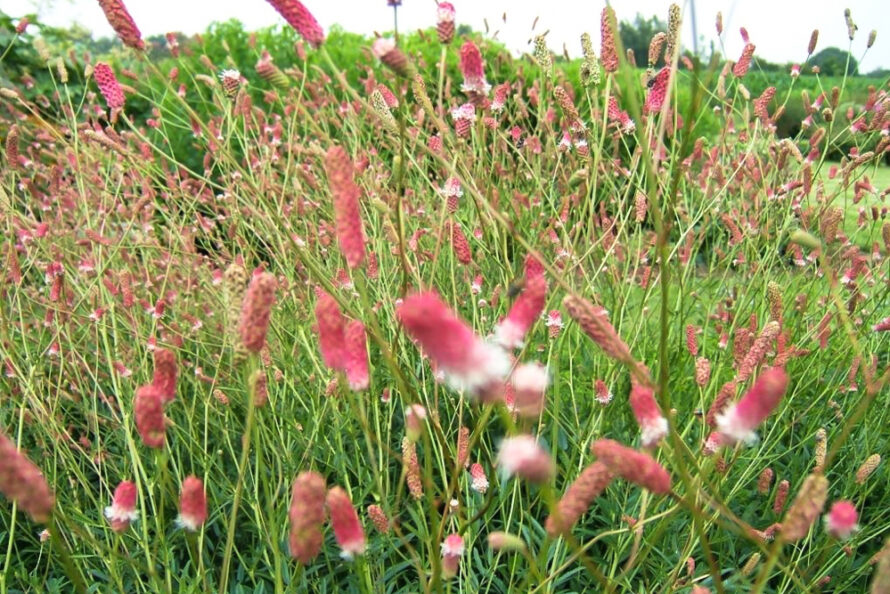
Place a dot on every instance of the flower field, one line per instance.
(299, 311)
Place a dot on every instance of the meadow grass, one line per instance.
(694, 246)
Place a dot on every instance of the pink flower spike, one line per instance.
(192, 504)
(108, 85)
(840, 521)
(480, 481)
(452, 551)
(165, 373)
(471, 66)
(356, 356)
(331, 331)
(299, 17)
(347, 211)
(122, 510)
(652, 424)
(738, 422)
(882, 326)
(348, 529)
(522, 456)
(468, 362)
(636, 467)
(511, 331)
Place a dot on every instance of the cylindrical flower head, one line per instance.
(192, 504)
(331, 331)
(445, 22)
(473, 69)
(741, 67)
(108, 85)
(468, 362)
(307, 516)
(412, 468)
(165, 373)
(122, 510)
(505, 542)
(527, 308)
(378, 518)
(298, 17)
(123, 24)
(148, 412)
(460, 245)
(529, 380)
(658, 90)
(740, 420)
(647, 413)
(608, 53)
(347, 212)
(256, 310)
(385, 50)
(452, 551)
(479, 481)
(21, 481)
(805, 509)
(592, 481)
(595, 323)
(356, 356)
(522, 456)
(631, 465)
(347, 528)
(840, 521)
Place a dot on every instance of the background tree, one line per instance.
(636, 35)
(831, 62)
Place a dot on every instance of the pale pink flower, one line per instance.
(331, 331)
(738, 422)
(415, 417)
(522, 456)
(356, 356)
(529, 380)
(840, 521)
(469, 363)
(882, 326)
(452, 551)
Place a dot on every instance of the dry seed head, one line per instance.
(814, 38)
(774, 295)
(806, 509)
(821, 450)
(750, 564)
(590, 66)
(655, 47)
(673, 34)
(542, 55)
(765, 480)
(868, 467)
(781, 496)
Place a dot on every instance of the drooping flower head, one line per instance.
(192, 504)
(348, 529)
(523, 457)
(738, 422)
(347, 212)
(122, 510)
(331, 331)
(648, 415)
(468, 362)
(148, 412)
(307, 516)
(299, 17)
(356, 356)
(165, 373)
(636, 467)
(385, 50)
(123, 24)
(592, 481)
(256, 309)
(527, 308)
(22, 482)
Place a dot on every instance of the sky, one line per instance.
(779, 28)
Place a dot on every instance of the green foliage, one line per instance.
(833, 61)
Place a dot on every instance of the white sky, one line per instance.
(779, 28)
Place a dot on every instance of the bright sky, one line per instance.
(779, 28)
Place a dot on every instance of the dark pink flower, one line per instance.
(299, 17)
(148, 412)
(840, 522)
(636, 467)
(347, 211)
(192, 504)
(473, 69)
(165, 373)
(123, 24)
(647, 413)
(452, 551)
(108, 85)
